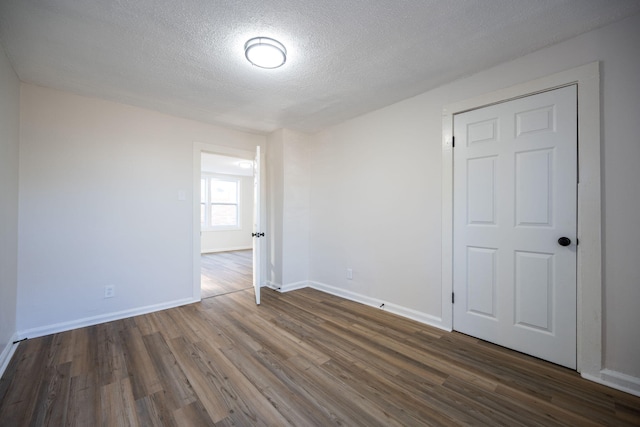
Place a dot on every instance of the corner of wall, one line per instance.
(9, 178)
(288, 287)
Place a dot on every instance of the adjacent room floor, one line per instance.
(224, 272)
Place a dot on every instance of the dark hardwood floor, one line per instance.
(303, 358)
(224, 272)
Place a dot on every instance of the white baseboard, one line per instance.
(293, 286)
(7, 353)
(272, 285)
(288, 287)
(617, 380)
(233, 248)
(103, 318)
(409, 313)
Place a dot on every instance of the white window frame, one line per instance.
(208, 177)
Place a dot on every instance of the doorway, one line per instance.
(589, 251)
(227, 210)
(226, 222)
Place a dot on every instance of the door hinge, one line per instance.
(453, 298)
(257, 234)
(453, 142)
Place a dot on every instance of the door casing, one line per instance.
(589, 251)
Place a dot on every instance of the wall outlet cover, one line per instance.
(109, 291)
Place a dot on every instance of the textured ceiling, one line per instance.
(346, 57)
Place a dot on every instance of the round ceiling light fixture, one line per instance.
(265, 52)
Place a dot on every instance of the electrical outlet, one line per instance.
(349, 273)
(109, 291)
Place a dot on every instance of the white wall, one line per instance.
(99, 184)
(9, 140)
(376, 189)
(288, 181)
(231, 240)
(275, 202)
(295, 215)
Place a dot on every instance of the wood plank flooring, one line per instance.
(224, 272)
(303, 358)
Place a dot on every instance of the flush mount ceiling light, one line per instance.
(265, 52)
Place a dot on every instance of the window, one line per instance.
(219, 202)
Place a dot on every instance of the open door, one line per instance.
(257, 234)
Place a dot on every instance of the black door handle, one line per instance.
(564, 241)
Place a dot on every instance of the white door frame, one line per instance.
(198, 149)
(589, 252)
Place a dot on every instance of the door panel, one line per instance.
(515, 194)
(481, 281)
(481, 197)
(534, 288)
(534, 188)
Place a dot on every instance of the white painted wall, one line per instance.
(288, 183)
(376, 189)
(9, 142)
(275, 201)
(99, 184)
(231, 240)
(296, 208)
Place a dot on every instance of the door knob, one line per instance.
(564, 241)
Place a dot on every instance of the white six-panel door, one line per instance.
(515, 195)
